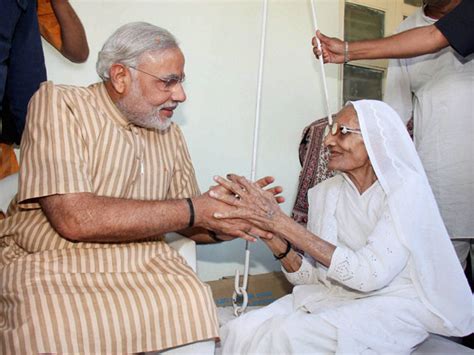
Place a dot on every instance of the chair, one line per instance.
(184, 246)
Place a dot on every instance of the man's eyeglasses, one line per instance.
(335, 128)
(169, 83)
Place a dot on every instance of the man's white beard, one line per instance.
(151, 119)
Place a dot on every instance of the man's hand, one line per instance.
(333, 48)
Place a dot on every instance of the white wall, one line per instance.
(221, 42)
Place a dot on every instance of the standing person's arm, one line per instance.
(454, 28)
(411, 43)
(74, 40)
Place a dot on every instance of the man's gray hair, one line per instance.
(129, 42)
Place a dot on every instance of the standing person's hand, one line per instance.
(332, 48)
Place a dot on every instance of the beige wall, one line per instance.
(221, 40)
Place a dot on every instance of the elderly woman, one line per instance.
(378, 271)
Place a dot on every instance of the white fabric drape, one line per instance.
(437, 274)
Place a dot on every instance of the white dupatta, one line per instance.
(437, 273)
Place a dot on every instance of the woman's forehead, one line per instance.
(348, 116)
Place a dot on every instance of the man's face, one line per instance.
(149, 101)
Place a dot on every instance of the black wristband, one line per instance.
(285, 253)
(191, 212)
(214, 237)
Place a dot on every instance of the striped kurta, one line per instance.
(63, 297)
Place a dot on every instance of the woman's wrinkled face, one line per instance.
(347, 151)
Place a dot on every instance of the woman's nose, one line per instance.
(329, 140)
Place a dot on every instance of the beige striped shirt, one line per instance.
(59, 296)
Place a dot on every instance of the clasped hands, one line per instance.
(244, 208)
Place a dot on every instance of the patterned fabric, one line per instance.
(313, 159)
(58, 296)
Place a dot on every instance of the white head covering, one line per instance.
(437, 273)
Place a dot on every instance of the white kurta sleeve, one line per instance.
(373, 266)
(307, 273)
(398, 93)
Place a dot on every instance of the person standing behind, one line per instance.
(437, 90)
(22, 67)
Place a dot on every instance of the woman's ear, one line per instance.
(120, 78)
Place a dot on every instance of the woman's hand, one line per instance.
(251, 202)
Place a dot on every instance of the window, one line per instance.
(362, 83)
(362, 22)
(413, 2)
(370, 19)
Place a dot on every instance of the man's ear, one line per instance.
(120, 78)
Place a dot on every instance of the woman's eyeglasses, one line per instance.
(335, 128)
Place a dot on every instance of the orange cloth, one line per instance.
(8, 162)
(48, 24)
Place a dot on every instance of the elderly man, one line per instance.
(104, 174)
